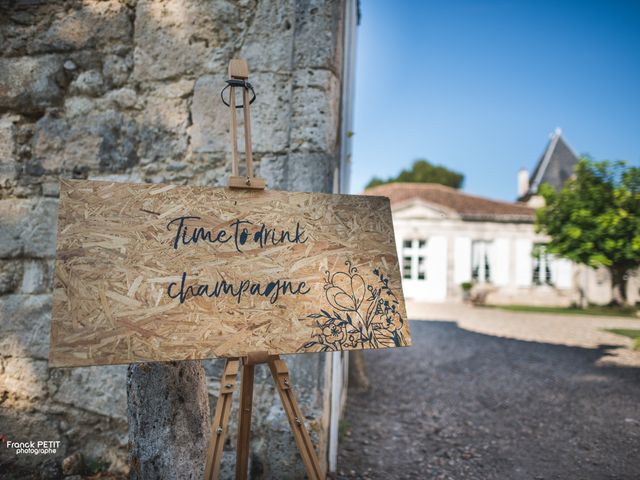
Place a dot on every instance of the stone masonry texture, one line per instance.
(129, 91)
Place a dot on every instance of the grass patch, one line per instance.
(634, 335)
(590, 310)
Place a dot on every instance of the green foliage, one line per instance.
(634, 335)
(598, 310)
(423, 171)
(595, 218)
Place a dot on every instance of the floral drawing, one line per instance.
(359, 316)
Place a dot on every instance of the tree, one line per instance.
(422, 171)
(595, 219)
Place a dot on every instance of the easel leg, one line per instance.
(280, 375)
(247, 132)
(244, 422)
(221, 419)
(220, 426)
(235, 163)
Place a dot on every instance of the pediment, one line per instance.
(419, 209)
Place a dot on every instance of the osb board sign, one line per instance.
(165, 272)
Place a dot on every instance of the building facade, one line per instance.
(453, 245)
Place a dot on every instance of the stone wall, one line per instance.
(129, 90)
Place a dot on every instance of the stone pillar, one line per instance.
(168, 410)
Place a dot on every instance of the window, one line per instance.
(481, 261)
(414, 259)
(542, 273)
(422, 268)
(406, 267)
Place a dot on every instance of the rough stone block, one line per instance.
(270, 113)
(35, 277)
(209, 132)
(102, 141)
(30, 84)
(123, 97)
(179, 89)
(318, 35)
(88, 83)
(162, 150)
(316, 111)
(80, 61)
(204, 169)
(10, 275)
(131, 177)
(8, 165)
(50, 270)
(28, 227)
(73, 107)
(179, 37)
(116, 69)
(24, 330)
(98, 24)
(311, 172)
(272, 169)
(97, 389)
(23, 378)
(18, 28)
(51, 189)
(7, 139)
(269, 39)
(63, 145)
(166, 113)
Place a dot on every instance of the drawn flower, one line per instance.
(361, 315)
(333, 333)
(346, 292)
(392, 321)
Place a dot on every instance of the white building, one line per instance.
(447, 238)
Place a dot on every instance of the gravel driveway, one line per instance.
(461, 404)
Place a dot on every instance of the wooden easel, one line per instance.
(239, 74)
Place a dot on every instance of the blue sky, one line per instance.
(478, 86)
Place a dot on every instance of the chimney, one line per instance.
(523, 182)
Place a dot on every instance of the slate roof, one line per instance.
(469, 207)
(555, 166)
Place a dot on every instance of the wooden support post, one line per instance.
(244, 422)
(244, 414)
